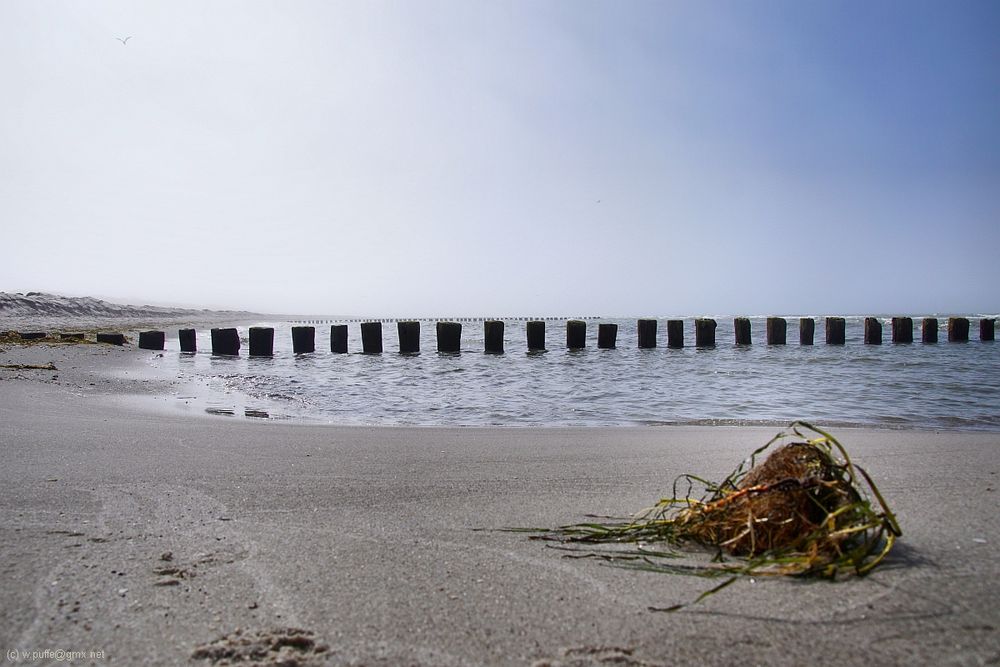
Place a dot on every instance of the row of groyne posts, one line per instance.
(449, 335)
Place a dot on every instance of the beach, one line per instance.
(137, 533)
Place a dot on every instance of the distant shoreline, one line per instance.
(37, 310)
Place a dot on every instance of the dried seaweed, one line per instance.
(805, 510)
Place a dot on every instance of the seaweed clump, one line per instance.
(804, 510)
(25, 339)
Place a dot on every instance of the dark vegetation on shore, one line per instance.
(42, 338)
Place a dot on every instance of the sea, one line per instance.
(942, 385)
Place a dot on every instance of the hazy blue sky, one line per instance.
(450, 158)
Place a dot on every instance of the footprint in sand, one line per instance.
(264, 648)
(594, 656)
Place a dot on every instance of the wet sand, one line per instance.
(149, 534)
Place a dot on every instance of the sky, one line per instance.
(462, 158)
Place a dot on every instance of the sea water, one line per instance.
(942, 385)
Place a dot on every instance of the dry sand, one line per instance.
(147, 536)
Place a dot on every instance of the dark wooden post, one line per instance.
(536, 335)
(987, 328)
(225, 342)
(188, 339)
(958, 329)
(409, 336)
(836, 330)
(777, 331)
(607, 335)
(151, 340)
(110, 338)
(576, 334)
(493, 336)
(675, 333)
(873, 331)
(741, 327)
(371, 337)
(303, 340)
(704, 332)
(338, 338)
(807, 330)
(262, 341)
(929, 330)
(31, 335)
(449, 336)
(647, 333)
(902, 330)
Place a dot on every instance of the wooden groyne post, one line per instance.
(261, 342)
(958, 329)
(675, 333)
(188, 339)
(225, 342)
(576, 334)
(987, 328)
(647, 333)
(535, 331)
(929, 330)
(409, 336)
(493, 336)
(371, 337)
(110, 338)
(607, 335)
(807, 330)
(902, 330)
(704, 332)
(449, 336)
(303, 340)
(151, 340)
(873, 331)
(338, 338)
(777, 331)
(741, 328)
(836, 329)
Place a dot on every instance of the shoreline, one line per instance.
(124, 371)
(366, 536)
(748, 385)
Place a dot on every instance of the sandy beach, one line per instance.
(135, 533)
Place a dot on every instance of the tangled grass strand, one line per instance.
(804, 510)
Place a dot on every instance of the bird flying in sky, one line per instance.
(123, 40)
